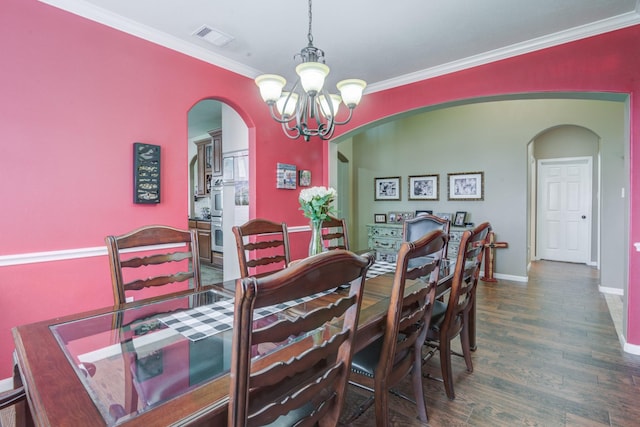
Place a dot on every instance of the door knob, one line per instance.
(584, 217)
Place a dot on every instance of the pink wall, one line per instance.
(76, 95)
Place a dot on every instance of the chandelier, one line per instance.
(308, 109)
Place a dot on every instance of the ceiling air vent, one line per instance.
(214, 37)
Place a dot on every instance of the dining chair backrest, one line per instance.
(452, 319)
(335, 233)
(159, 266)
(263, 246)
(413, 229)
(465, 277)
(385, 362)
(309, 382)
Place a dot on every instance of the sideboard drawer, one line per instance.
(384, 244)
(385, 231)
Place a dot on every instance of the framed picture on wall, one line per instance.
(423, 187)
(305, 178)
(466, 186)
(286, 176)
(387, 188)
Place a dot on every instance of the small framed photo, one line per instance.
(424, 213)
(399, 217)
(459, 219)
(387, 188)
(466, 186)
(423, 187)
(305, 178)
(380, 218)
(443, 215)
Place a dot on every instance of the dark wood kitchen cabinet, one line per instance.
(204, 166)
(209, 161)
(216, 152)
(203, 228)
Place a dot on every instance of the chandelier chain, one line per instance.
(309, 35)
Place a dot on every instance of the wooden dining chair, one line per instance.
(183, 252)
(308, 384)
(262, 245)
(16, 398)
(388, 360)
(451, 319)
(334, 233)
(422, 224)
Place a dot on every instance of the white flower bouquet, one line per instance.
(315, 202)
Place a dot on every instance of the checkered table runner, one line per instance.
(202, 322)
(381, 267)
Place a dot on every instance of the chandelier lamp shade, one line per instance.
(308, 109)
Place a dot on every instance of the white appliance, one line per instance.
(216, 199)
(217, 243)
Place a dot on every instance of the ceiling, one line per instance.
(385, 43)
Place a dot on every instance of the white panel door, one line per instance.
(564, 209)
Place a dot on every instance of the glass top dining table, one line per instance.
(160, 361)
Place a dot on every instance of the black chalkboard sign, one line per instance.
(146, 173)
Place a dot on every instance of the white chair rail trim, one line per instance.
(67, 254)
(298, 228)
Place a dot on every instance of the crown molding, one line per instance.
(100, 15)
(110, 19)
(551, 40)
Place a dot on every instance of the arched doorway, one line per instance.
(205, 116)
(564, 197)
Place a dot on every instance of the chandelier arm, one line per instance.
(290, 128)
(287, 131)
(327, 135)
(326, 128)
(327, 96)
(346, 120)
(284, 119)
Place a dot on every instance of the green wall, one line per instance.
(491, 137)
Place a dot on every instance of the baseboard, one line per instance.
(511, 277)
(631, 348)
(612, 291)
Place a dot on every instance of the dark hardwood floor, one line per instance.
(548, 355)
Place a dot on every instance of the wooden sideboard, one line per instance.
(385, 239)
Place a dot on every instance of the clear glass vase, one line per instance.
(315, 245)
